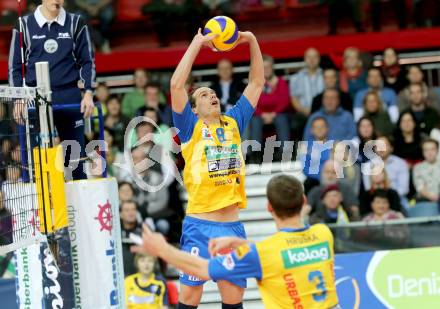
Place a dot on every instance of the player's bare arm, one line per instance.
(179, 97)
(219, 244)
(256, 73)
(155, 244)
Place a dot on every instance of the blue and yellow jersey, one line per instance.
(214, 166)
(293, 268)
(145, 295)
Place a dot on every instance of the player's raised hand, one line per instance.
(152, 244)
(245, 37)
(205, 40)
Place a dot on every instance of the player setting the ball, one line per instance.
(214, 166)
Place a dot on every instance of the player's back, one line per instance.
(297, 269)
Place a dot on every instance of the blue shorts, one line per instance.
(196, 234)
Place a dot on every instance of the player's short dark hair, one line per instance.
(430, 140)
(286, 195)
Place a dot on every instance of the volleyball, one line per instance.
(227, 31)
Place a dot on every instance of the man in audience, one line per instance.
(426, 174)
(315, 153)
(227, 88)
(307, 83)
(329, 177)
(331, 82)
(153, 99)
(427, 117)
(415, 76)
(352, 77)
(388, 96)
(340, 122)
(135, 99)
(128, 213)
(397, 168)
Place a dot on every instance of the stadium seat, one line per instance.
(424, 209)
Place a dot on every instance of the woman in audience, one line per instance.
(116, 121)
(352, 77)
(366, 132)
(380, 206)
(379, 182)
(394, 76)
(135, 99)
(333, 210)
(373, 108)
(126, 192)
(351, 172)
(407, 139)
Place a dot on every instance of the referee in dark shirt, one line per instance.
(61, 38)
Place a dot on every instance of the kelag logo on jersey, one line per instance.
(306, 255)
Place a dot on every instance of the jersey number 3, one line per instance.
(315, 277)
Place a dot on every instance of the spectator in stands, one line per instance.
(397, 169)
(329, 177)
(366, 132)
(387, 95)
(374, 109)
(135, 99)
(116, 120)
(5, 124)
(415, 76)
(315, 153)
(227, 88)
(273, 107)
(340, 122)
(352, 77)
(330, 77)
(394, 75)
(153, 100)
(435, 134)
(307, 83)
(334, 210)
(426, 175)
(13, 173)
(145, 289)
(379, 181)
(128, 214)
(103, 11)
(126, 191)
(102, 94)
(344, 163)
(407, 139)
(336, 9)
(5, 223)
(381, 208)
(426, 116)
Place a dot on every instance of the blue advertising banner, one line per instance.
(389, 279)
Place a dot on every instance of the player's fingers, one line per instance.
(137, 249)
(199, 31)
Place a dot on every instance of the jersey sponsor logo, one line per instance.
(221, 165)
(228, 262)
(242, 251)
(206, 134)
(296, 257)
(50, 46)
(63, 35)
(38, 37)
(221, 152)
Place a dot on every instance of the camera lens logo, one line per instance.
(105, 217)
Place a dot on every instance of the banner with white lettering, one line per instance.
(389, 279)
(29, 277)
(95, 234)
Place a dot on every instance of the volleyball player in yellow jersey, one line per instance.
(293, 267)
(214, 165)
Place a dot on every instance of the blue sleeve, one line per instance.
(358, 98)
(185, 122)
(242, 112)
(14, 70)
(241, 264)
(84, 55)
(352, 130)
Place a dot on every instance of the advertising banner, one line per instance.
(389, 279)
(95, 234)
